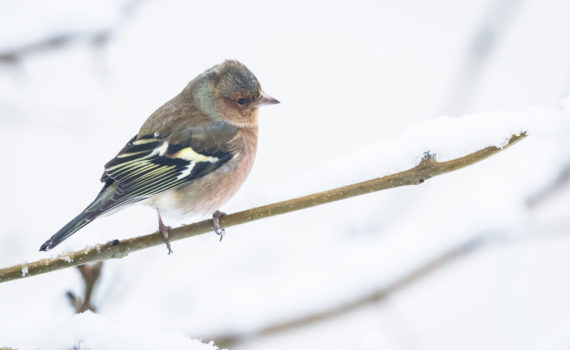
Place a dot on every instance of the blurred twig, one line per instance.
(562, 180)
(96, 38)
(427, 168)
(90, 275)
(414, 276)
(493, 26)
(449, 256)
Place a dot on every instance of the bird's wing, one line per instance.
(148, 165)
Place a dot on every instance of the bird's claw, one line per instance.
(164, 231)
(220, 231)
(168, 247)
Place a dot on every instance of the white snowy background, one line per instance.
(362, 85)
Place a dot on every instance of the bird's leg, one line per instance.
(220, 231)
(164, 230)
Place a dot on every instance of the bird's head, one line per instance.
(233, 93)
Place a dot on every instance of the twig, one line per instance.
(562, 180)
(451, 255)
(413, 276)
(497, 20)
(90, 275)
(51, 43)
(116, 249)
(97, 38)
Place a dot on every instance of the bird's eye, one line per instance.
(243, 101)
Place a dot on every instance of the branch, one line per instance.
(498, 19)
(415, 275)
(562, 180)
(90, 275)
(116, 249)
(451, 255)
(51, 43)
(99, 37)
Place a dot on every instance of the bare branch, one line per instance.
(116, 249)
(562, 180)
(52, 43)
(498, 19)
(90, 275)
(435, 264)
(96, 38)
(449, 256)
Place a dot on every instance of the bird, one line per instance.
(189, 157)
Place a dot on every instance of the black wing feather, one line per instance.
(147, 166)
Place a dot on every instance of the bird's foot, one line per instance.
(220, 231)
(164, 230)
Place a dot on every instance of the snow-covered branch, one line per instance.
(428, 167)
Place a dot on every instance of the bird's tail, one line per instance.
(95, 209)
(73, 226)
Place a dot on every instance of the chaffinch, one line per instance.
(189, 157)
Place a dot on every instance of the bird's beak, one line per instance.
(266, 100)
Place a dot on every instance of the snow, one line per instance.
(95, 332)
(362, 89)
(66, 258)
(444, 137)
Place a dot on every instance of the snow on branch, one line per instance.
(428, 167)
